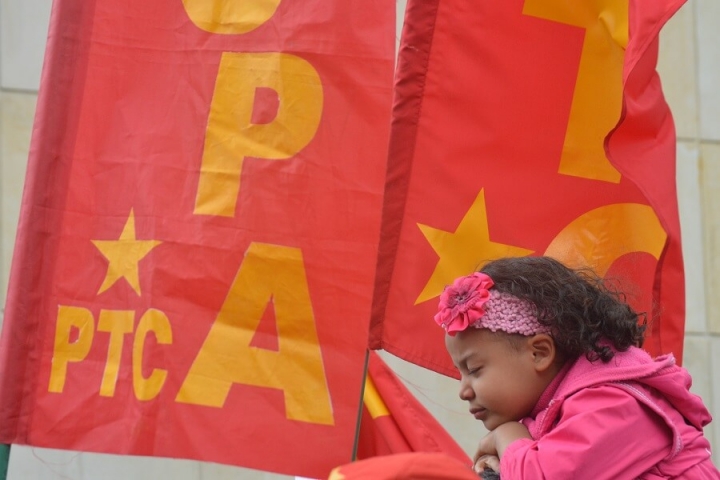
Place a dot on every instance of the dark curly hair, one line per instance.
(582, 311)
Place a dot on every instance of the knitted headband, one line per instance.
(469, 302)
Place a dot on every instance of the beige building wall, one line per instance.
(690, 70)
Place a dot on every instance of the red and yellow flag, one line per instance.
(528, 127)
(198, 235)
(394, 421)
(405, 466)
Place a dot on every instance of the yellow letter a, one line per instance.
(268, 272)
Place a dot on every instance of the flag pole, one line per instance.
(4, 460)
(360, 410)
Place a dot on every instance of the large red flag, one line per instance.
(405, 466)
(394, 421)
(196, 250)
(528, 127)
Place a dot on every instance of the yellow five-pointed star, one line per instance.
(461, 252)
(123, 256)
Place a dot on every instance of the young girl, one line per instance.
(549, 362)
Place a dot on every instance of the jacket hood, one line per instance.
(661, 374)
(674, 383)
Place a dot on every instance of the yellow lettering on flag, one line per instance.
(268, 273)
(156, 322)
(601, 236)
(373, 401)
(230, 16)
(597, 99)
(118, 323)
(231, 136)
(464, 250)
(67, 350)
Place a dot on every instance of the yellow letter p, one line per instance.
(231, 136)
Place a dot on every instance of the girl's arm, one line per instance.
(495, 442)
(602, 432)
(493, 445)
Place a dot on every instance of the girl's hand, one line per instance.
(494, 444)
(486, 461)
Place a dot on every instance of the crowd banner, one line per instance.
(394, 421)
(196, 251)
(528, 127)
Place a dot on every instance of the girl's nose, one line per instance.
(466, 393)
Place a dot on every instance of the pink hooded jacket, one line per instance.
(633, 417)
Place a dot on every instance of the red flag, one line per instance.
(527, 127)
(405, 466)
(195, 256)
(394, 421)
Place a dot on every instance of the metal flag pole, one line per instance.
(4, 460)
(360, 410)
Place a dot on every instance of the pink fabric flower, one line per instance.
(461, 304)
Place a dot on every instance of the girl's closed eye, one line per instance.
(474, 370)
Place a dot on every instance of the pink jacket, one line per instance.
(633, 417)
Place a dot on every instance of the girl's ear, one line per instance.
(542, 348)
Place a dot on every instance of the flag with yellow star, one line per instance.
(394, 421)
(527, 127)
(196, 251)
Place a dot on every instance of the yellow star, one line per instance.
(123, 256)
(463, 251)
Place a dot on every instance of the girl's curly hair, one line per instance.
(582, 312)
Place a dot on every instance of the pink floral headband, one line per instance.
(469, 302)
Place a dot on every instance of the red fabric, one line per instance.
(643, 148)
(407, 426)
(124, 122)
(427, 466)
(483, 118)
